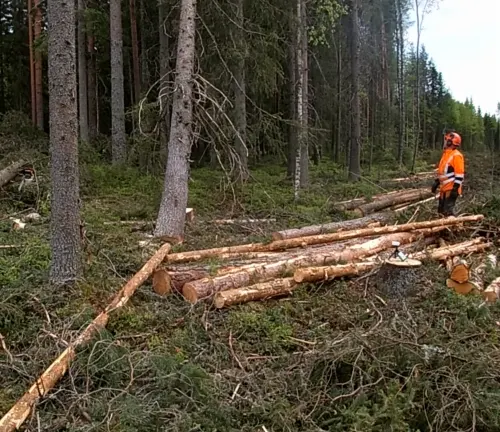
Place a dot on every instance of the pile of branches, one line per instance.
(260, 271)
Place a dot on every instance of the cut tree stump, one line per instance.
(398, 279)
(10, 172)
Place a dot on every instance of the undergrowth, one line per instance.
(331, 357)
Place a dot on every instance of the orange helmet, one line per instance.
(453, 139)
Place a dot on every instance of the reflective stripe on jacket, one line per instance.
(451, 170)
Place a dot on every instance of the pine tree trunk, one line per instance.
(118, 137)
(239, 84)
(292, 79)
(92, 97)
(135, 52)
(339, 101)
(65, 218)
(355, 152)
(32, 63)
(82, 74)
(164, 70)
(299, 58)
(172, 214)
(145, 75)
(38, 67)
(304, 85)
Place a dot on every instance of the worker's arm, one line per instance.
(459, 168)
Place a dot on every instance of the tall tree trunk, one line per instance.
(401, 81)
(164, 70)
(292, 88)
(65, 218)
(304, 115)
(339, 101)
(32, 63)
(299, 58)
(239, 85)
(145, 75)
(38, 67)
(172, 214)
(135, 52)
(355, 153)
(92, 97)
(118, 137)
(82, 74)
(417, 73)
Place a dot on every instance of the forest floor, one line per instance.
(330, 357)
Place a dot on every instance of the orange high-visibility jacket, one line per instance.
(451, 170)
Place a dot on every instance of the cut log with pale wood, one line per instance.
(492, 292)
(366, 232)
(165, 282)
(315, 274)
(357, 202)
(417, 176)
(20, 411)
(459, 271)
(403, 207)
(479, 272)
(242, 221)
(445, 252)
(204, 288)
(10, 172)
(261, 291)
(347, 225)
(393, 200)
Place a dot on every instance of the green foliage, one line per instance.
(326, 14)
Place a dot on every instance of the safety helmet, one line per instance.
(453, 139)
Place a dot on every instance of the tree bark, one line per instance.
(92, 97)
(292, 88)
(395, 199)
(38, 67)
(315, 274)
(164, 70)
(145, 74)
(135, 52)
(240, 112)
(355, 153)
(303, 72)
(376, 218)
(445, 252)
(65, 245)
(8, 173)
(165, 282)
(204, 288)
(255, 292)
(299, 58)
(171, 216)
(32, 63)
(118, 137)
(82, 74)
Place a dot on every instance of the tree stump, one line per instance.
(398, 279)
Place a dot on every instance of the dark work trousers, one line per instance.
(446, 206)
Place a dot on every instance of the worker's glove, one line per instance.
(435, 186)
(454, 191)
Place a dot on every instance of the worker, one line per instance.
(451, 171)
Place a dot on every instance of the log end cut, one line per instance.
(460, 288)
(190, 293)
(162, 282)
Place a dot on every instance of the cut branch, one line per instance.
(10, 172)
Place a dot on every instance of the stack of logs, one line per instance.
(260, 271)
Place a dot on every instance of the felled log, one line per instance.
(399, 279)
(315, 274)
(204, 288)
(492, 292)
(380, 218)
(189, 217)
(416, 176)
(393, 200)
(478, 273)
(165, 282)
(241, 221)
(49, 378)
(366, 232)
(459, 270)
(446, 252)
(10, 172)
(403, 207)
(261, 291)
(356, 202)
